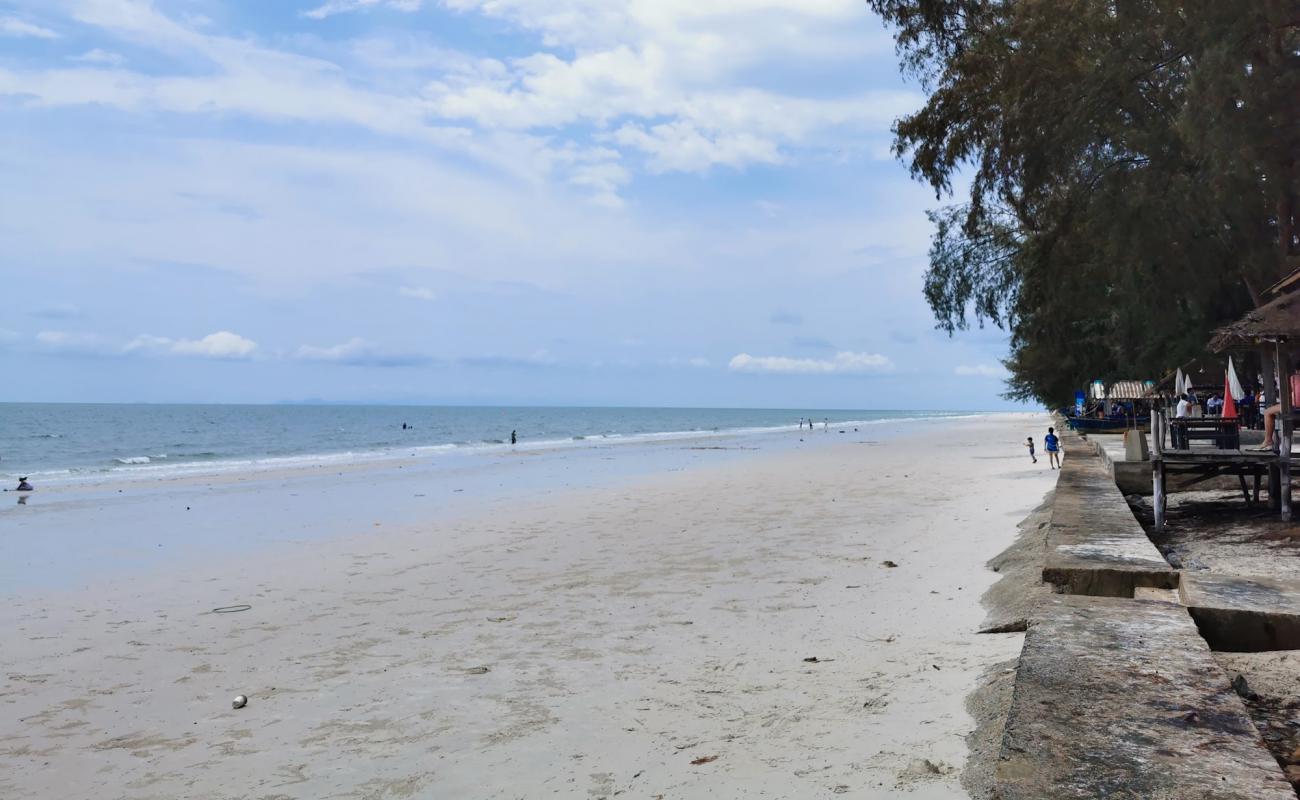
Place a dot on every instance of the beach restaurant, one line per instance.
(1210, 447)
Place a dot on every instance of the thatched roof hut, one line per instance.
(1276, 320)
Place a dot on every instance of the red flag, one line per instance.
(1229, 405)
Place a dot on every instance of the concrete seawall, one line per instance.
(1116, 696)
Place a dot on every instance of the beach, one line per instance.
(735, 618)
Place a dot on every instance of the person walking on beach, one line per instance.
(1053, 447)
(826, 425)
(1029, 442)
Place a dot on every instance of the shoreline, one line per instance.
(628, 628)
(162, 468)
(78, 534)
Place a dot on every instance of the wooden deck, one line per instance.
(1208, 455)
(1208, 463)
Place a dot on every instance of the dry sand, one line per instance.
(650, 640)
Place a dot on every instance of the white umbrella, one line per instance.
(1234, 385)
(1178, 382)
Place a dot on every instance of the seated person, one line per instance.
(24, 486)
(1274, 411)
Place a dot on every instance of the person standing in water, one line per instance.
(514, 438)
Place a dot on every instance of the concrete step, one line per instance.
(1122, 699)
(1243, 613)
(1095, 545)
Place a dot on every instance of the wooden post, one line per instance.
(1158, 492)
(1284, 431)
(1266, 371)
(1157, 468)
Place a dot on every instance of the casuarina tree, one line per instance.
(1120, 177)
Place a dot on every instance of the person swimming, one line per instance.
(24, 486)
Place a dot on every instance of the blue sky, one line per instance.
(650, 202)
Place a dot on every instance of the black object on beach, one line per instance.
(24, 486)
(232, 609)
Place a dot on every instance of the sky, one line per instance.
(571, 202)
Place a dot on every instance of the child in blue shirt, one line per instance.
(1053, 447)
(1030, 444)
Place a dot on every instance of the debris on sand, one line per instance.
(1014, 626)
(888, 563)
(923, 769)
(704, 760)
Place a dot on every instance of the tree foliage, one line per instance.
(1131, 172)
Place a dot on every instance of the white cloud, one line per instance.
(11, 26)
(333, 7)
(339, 352)
(843, 363)
(358, 352)
(98, 56)
(674, 84)
(219, 345)
(981, 371)
(222, 344)
(417, 293)
(683, 147)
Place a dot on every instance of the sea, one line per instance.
(73, 442)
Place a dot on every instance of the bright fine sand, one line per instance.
(723, 631)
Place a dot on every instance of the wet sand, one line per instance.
(726, 630)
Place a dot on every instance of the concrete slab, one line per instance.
(1095, 545)
(1243, 613)
(1132, 477)
(1122, 699)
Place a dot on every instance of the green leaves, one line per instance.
(1132, 168)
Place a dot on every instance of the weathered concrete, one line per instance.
(1095, 545)
(1132, 477)
(1243, 614)
(1122, 699)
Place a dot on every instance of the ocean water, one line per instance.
(67, 442)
